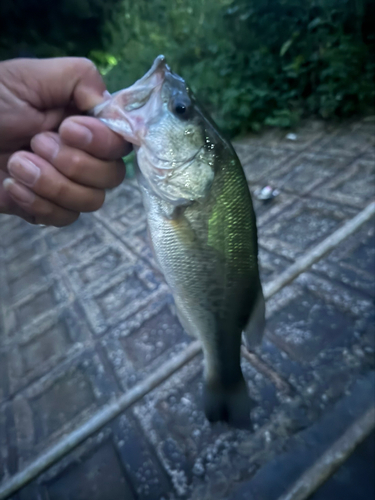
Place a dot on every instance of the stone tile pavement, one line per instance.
(86, 316)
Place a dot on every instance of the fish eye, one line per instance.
(180, 109)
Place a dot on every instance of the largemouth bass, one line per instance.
(202, 226)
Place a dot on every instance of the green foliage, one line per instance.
(48, 28)
(252, 63)
(255, 62)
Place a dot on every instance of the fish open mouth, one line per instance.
(119, 112)
(160, 64)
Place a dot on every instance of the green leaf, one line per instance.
(285, 47)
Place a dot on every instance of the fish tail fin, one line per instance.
(230, 404)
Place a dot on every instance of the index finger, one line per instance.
(55, 83)
(92, 136)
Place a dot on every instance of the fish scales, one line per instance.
(202, 227)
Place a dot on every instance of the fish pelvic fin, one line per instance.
(230, 404)
(253, 332)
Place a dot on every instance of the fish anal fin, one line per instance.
(253, 332)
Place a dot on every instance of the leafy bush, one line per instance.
(45, 28)
(251, 62)
(255, 62)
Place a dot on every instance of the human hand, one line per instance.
(54, 165)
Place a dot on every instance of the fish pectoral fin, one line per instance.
(253, 332)
(228, 404)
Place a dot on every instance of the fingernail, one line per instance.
(24, 170)
(18, 192)
(83, 134)
(47, 145)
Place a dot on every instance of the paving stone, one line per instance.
(16, 234)
(78, 250)
(271, 265)
(188, 447)
(85, 314)
(349, 140)
(117, 463)
(270, 209)
(20, 257)
(133, 233)
(8, 222)
(59, 403)
(117, 296)
(287, 367)
(150, 481)
(57, 237)
(122, 202)
(10, 457)
(307, 171)
(319, 337)
(279, 474)
(307, 135)
(108, 303)
(29, 247)
(99, 477)
(4, 388)
(40, 347)
(312, 314)
(354, 186)
(301, 226)
(262, 164)
(353, 262)
(140, 344)
(101, 266)
(44, 299)
(354, 479)
(3, 446)
(47, 408)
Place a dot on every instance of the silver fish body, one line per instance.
(202, 227)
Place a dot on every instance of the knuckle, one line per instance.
(43, 209)
(88, 70)
(96, 201)
(83, 65)
(58, 191)
(74, 166)
(88, 65)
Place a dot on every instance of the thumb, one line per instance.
(56, 82)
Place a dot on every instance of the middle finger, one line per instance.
(76, 164)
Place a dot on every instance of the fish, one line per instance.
(202, 227)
